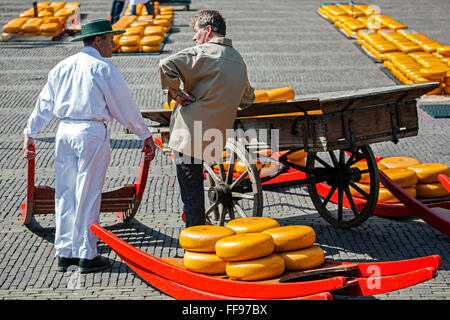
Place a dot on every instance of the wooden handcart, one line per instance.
(335, 129)
(124, 201)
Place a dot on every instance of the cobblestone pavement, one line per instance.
(284, 43)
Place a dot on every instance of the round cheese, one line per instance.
(252, 224)
(151, 40)
(384, 194)
(202, 262)
(428, 172)
(280, 94)
(261, 96)
(139, 31)
(203, 238)
(245, 246)
(129, 49)
(257, 269)
(433, 73)
(154, 31)
(129, 40)
(303, 259)
(292, 237)
(431, 190)
(399, 162)
(155, 48)
(402, 176)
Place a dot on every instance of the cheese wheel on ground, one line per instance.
(208, 263)
(402, 176)
(292, 237)
(362, 165)
(245, 246)
(129, 40)
(151, 40)
(155, 48)
(139, 31)
(203, 238)
(399, 162)
(252, 224)
(384, 194)
(428, 172)
(431, 190)
(129, 49)
(303, 259)
(280, 94)
(257, 269)
(154, 31)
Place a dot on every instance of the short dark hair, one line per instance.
(210, 18)
(90, 40)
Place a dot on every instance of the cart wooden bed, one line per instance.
(335, 129)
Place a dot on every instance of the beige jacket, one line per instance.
(216, 75)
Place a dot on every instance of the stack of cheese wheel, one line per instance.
(396, 169)
(428, 185)
(49, 21)
(144, 32)
(199, 243)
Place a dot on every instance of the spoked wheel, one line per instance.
(335, 203)
(230, 193)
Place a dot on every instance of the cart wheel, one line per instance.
(335, 172)
(230, 193)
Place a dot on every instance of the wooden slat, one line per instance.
(279, 107)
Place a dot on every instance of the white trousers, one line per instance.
(82, 156)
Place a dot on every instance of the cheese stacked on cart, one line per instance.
(248, 249)
(144, 33)
(49, 22)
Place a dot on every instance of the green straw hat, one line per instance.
(95, 28)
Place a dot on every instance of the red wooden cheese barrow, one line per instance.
(343, 278)
(124, 201)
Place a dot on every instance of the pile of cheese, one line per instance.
(252, 248)
(144, 33)
(412, 57)
(263, 95)
(52, 16)
(418, 179)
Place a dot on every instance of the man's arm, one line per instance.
(249, 94)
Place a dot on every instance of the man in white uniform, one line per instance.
(84, 91)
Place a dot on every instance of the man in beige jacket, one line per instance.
(209, 83)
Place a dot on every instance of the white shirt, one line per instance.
(86, 86)
(138, 1)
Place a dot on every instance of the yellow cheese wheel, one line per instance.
(154, 31)
(444, 51)
(297, 155)
(431, 190)
(362, 165)
(384, 194)
(129, 49)
(252, 224)
(294, 237)
(203, 238)
(139, 31)
(428, 172)
(399, 162)
(32, 25)
(160, 22)
(245, 246)
(257, 269)
(202, 262)
(155, 48)
(279, 94)
(433, 73)
(50, 27)
(303, 259)
(402, 176)
(14, 25)
(133, 40)
(141, 23)
(151, 40)
(261, 96)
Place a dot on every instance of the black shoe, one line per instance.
(63, 263)
(92, 265)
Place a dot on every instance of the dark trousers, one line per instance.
(190, 179)
(116, 10)
(148, 5)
